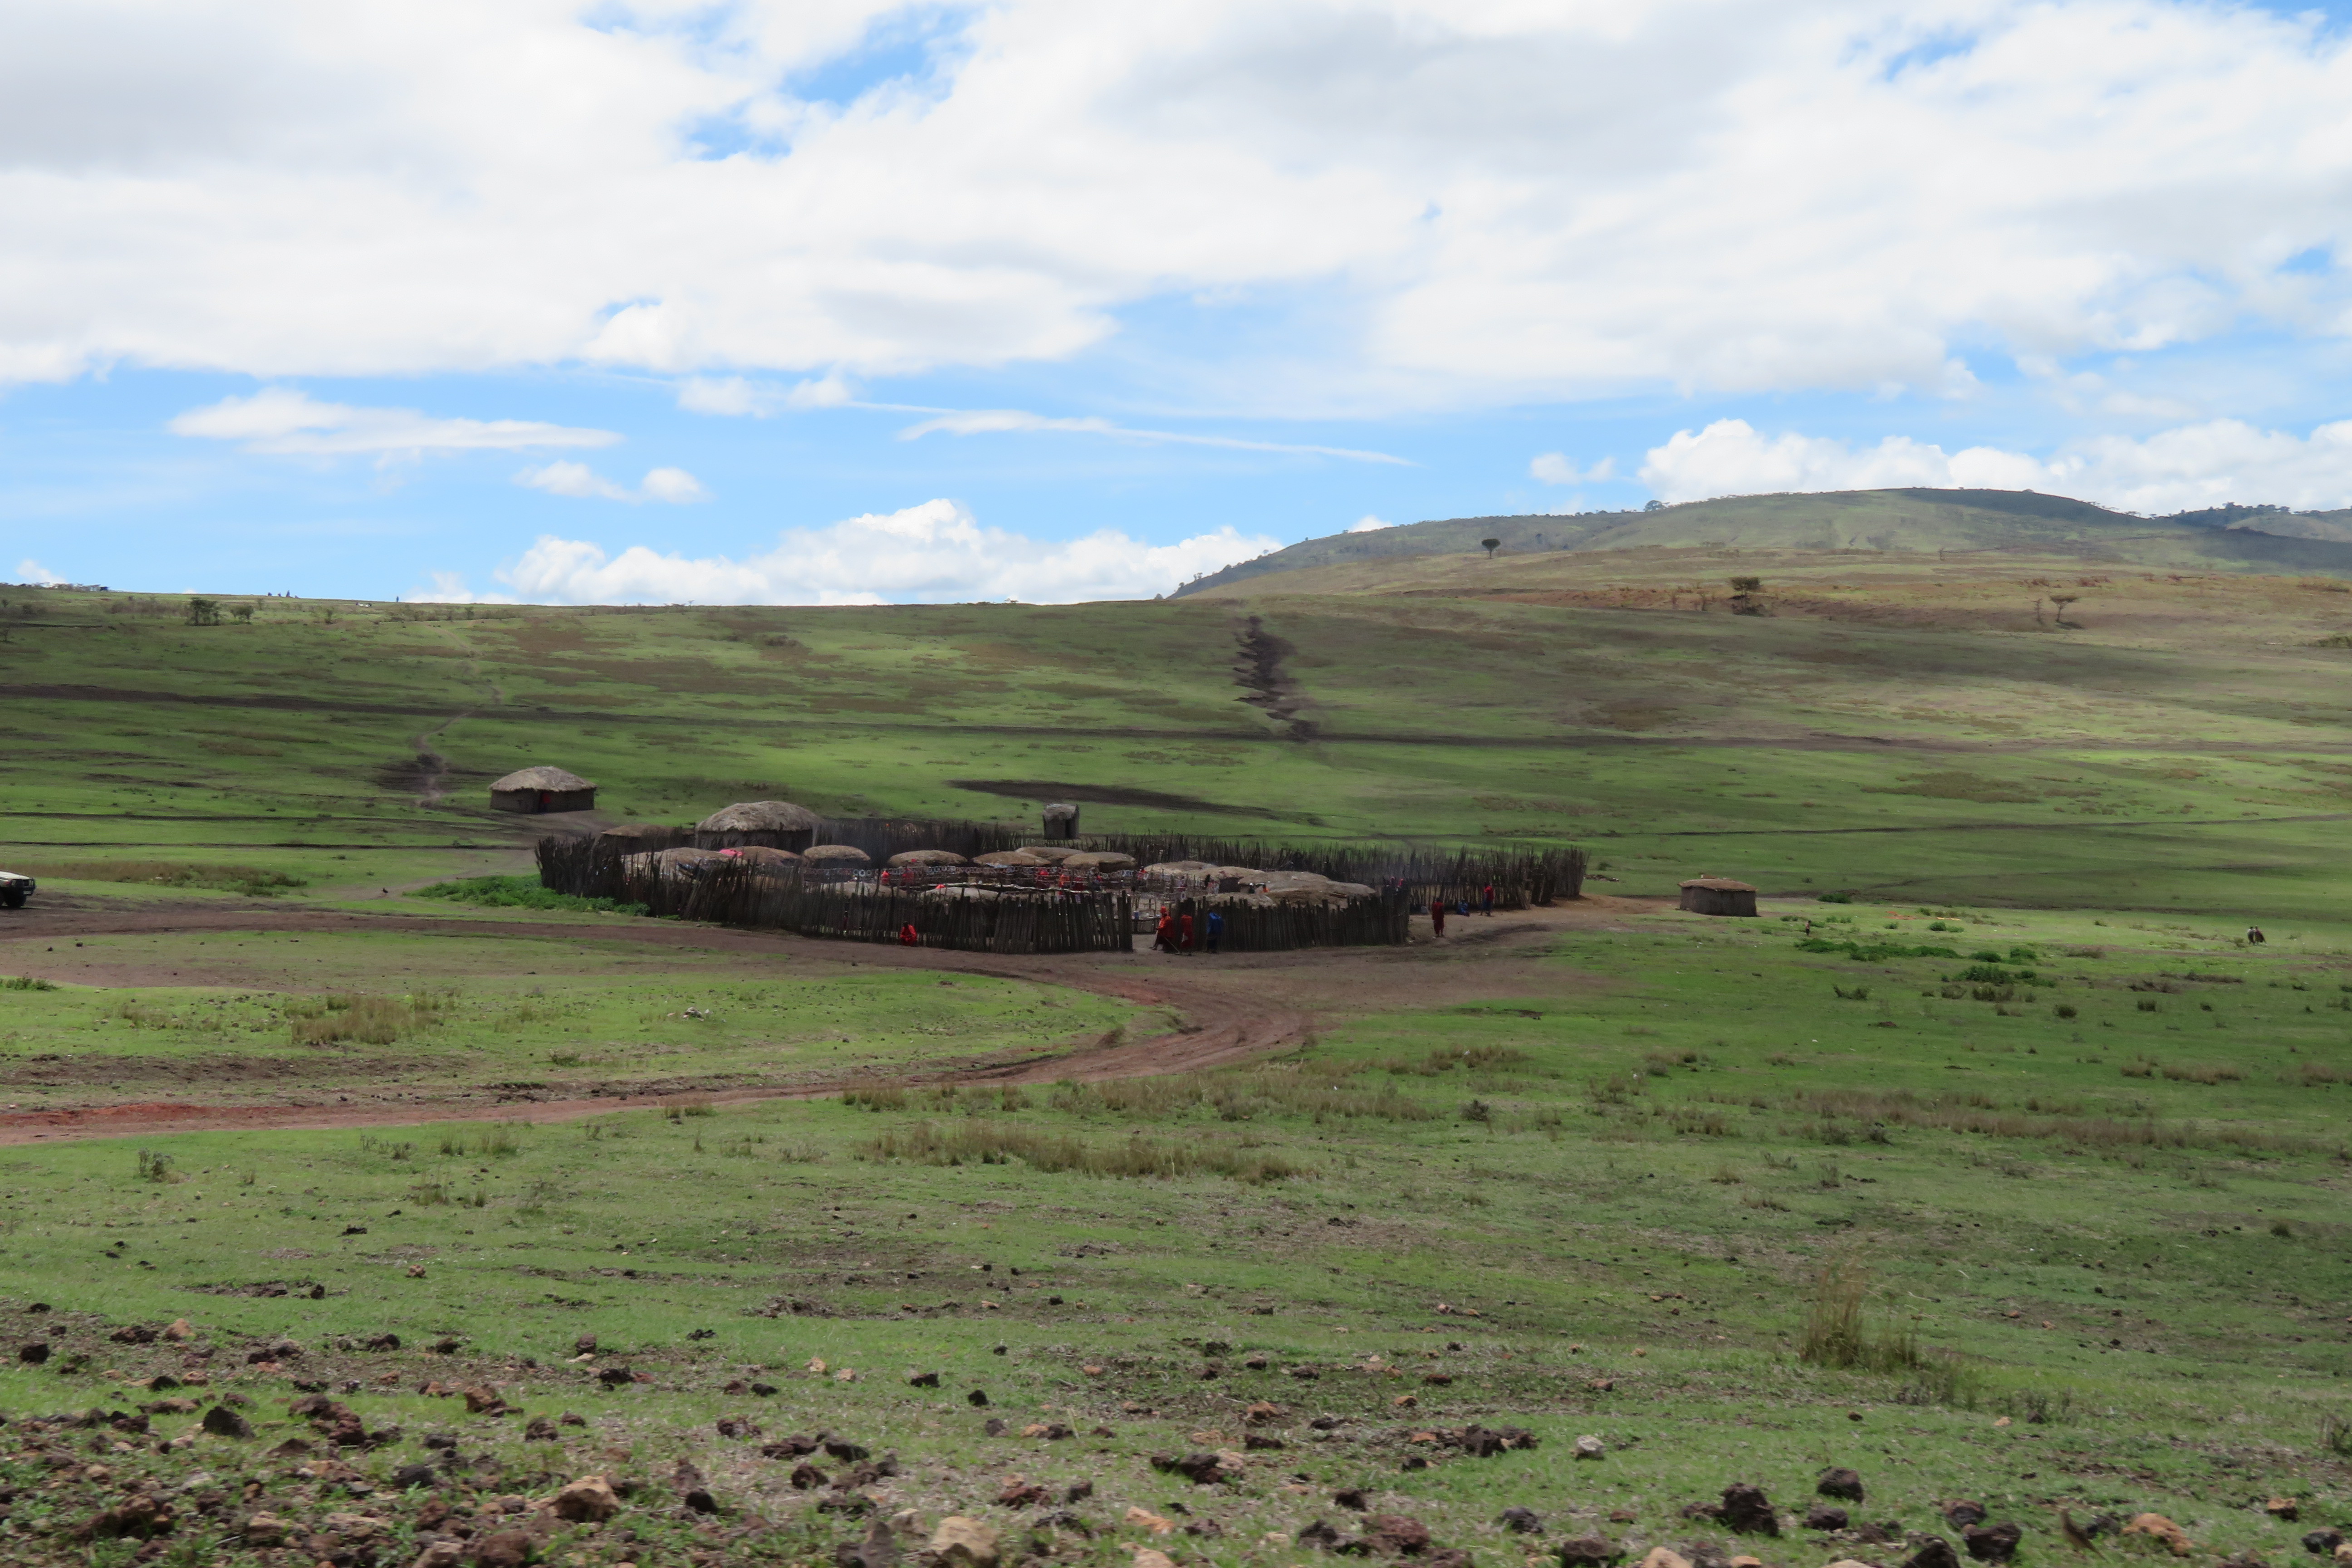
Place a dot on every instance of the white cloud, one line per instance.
(2175, 470)
(736, 395)
(1000, 421)
(1496, 198)
(931, 553)
(1368, 523)
(1554, 468)
(582, 482)
(290, 423)
(31, 571)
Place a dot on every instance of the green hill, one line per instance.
(1920, 521)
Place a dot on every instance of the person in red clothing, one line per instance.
(1437, 916)
(1163, 937)
(1184, 933)
(1487, 905)
(908, 936)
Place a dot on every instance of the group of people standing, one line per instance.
(1437, 909)
(1178, 929)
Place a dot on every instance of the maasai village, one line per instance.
(1292, 786)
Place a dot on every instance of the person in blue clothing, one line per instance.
(1216, 929)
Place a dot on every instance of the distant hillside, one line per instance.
(2015, 522)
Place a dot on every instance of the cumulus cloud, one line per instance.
(933, 553)
(582, 482)
(1554, 468)
(1493, 198)
(32, 572)
(2174, 470)
(1368, 523)
(280, 421)
(737, 394)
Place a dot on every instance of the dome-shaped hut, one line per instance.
(836, 854)
(928, 858)
(1010, 858)
(531, 790)
(1099, 860)
(777, 824)
(765, 860)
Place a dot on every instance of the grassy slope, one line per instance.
(2178, 750)
(1916, 521)
(1677, 1133)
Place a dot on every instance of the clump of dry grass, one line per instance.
(997, 1143)
(364, 1019)
(249, 879)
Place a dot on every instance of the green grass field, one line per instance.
(2020, 1178)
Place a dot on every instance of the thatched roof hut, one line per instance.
(761, 858)
(1061, 822)
(1098, 860)
(777, 824)
(531, 790)
(1056, 853)
(1010, 858)
(1718, 896)
(836, 854)
(928, 858)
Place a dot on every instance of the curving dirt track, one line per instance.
(1234, 1008)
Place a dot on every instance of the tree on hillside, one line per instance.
(1656, 506)
(1490, 546)
(204, 611)
(2061, 601)
(1747, 585)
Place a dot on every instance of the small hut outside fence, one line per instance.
(772, 824)
(1718, 896)
(1061, 822)
(533, 790)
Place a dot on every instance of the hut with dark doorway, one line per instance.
(1718, 896)
(1061, 822)
(534, 790)
(771, 824)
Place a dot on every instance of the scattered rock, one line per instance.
(2321, 1543)
(266, 1530)
(1079, 1491)
(1934, 1551)
(922, 1379)
(1354, 1498)
(178, 1331)
(1591, 1448)
(506, 1549)
(1839, 1483)
(692, 1490)
(1520, 1520)
(1018, 1493)
(1451, 1557)
(1144, 1518)
(1962, 1514)
(441, 1555)
(588, 1500)
(961, 1542)
(2158, 1528)
(1318, 1533)
(540, 1429)
(1825, 1515)
(133, 1334)
(1145, 1557)
(807, 1478)
(411, 1476)
(1589, 1552)
(1746, 1510)
(2283, 1509)
(138, 1516)
(878, 1549)
(33, 1355)
(993, 1428)
(617, 1376)
(222, 1421)
(1396, 1535)
(1994, 1544)
(977, 1399)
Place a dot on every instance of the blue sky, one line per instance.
(651, 302)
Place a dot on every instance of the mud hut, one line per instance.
(533, 790)
(1061, 822)
(1099, 860)
(1718, 896)
(842, 855)
(928, 858)
(774, 823)
(764, 860)
(1010, 858)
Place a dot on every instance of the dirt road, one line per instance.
(1234, 1008)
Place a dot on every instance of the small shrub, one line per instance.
(2064, 1010)
(1478, 1110)
(1853, 993)
(25, 983)
(2147, 1005)
(520, 893)
(155, 1167)
(1837, 897)
(2281, 1229)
